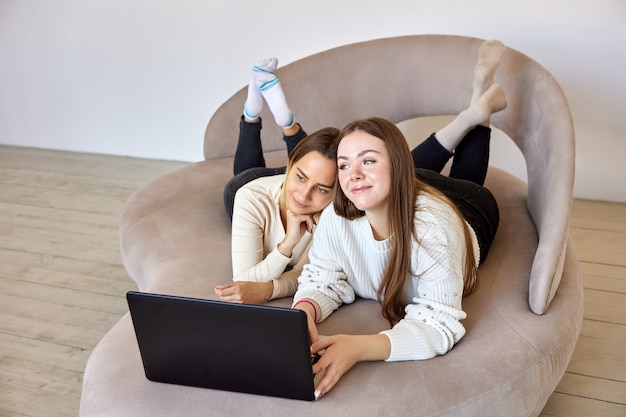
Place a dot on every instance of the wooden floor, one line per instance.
(62, 284)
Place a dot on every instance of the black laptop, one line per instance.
(256, 349)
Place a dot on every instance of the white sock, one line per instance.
(264, 86)
(479, 112)
(275, 98)
(262, 72)
(489, 56)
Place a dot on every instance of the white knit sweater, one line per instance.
(346, 260)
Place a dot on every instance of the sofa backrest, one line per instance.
(406, 77)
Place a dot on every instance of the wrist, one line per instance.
(309, 307)
(376, 347)
(285, 249)
(269, 290)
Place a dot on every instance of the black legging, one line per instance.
(249, 162)
(249, 152)
(464, 185)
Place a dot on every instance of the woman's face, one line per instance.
(310, 183)
(364, 170)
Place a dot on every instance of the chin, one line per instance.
(362, 206)
(301, 211)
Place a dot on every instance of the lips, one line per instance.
(360, 189)
(296, 203)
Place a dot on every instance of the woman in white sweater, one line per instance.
(404, 235)
(397, 239)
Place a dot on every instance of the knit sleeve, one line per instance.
(430, 327)
(287, 284)
(323, 278)
(250, 217)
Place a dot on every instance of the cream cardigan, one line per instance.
(256, 232)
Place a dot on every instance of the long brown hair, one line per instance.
(400, 217)
(321, 141)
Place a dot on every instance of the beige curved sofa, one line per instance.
(524, 320)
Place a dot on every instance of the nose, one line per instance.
(355, 173)
(306, 193)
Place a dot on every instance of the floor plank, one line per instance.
(564, 405)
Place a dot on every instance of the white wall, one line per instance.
(142, 77)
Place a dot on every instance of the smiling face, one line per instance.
(364, 171)
(309, 184)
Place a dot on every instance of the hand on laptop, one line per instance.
(342, 352)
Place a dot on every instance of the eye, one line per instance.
(300, 178)
(369, 161)
(322, 190)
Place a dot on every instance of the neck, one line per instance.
(378, 223)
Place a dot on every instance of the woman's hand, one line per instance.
(339, 353)
(245, 292)
(295, 226)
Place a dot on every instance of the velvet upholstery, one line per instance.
(524, 320)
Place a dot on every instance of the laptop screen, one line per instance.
(256, 349)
